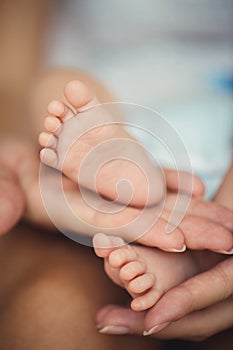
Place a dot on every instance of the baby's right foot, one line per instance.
(146, 273)
(69, 139)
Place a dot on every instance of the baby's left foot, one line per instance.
(146, 273)
(94, 150)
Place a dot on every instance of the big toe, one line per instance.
(79, 95)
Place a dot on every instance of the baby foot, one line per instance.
(74, 141)
(146, 273)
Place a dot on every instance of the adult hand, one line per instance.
(205, 225)
(195, 310)
(67, 209)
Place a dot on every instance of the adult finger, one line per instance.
(199, 292)
(199, 325)
(128, 223)
(115, 319)
(197, 207)
(201, 233)
(184, 182)
(204, 225)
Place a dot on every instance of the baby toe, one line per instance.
(79, 95)
(122, 256)
(141, 284)
(47, 140)
(146, 301)
(104, 244)
(132, 270)
(52, 124)
(60, 110)
(49, 157)
(56, 108)
(117, 241)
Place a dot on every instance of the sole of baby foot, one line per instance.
(124, 266)
(146, 273)
(71, 139)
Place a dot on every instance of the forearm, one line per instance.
(50, 85)
(224, 195)
(22, 26)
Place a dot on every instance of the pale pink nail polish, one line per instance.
(173, 250)
(156, 329)
(114, 330)
(227, 252)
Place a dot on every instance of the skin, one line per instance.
(24, 278)
(198, 313)
(27, 289)
(29, 300)
(46, 298)
(33, 272)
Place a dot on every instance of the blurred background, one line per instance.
(171, 47)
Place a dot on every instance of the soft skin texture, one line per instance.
(198, 311)
(26, 270)
(20, 269)
(71, 144)
(196, 230)
(46, 299)
(146, 273)
(188, 322)
(45, 296)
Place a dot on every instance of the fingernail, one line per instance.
(228, 252)
(173, 250)
(114, 330)
(156, 329)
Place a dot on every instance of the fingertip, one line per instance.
(198, 187)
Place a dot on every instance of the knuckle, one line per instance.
(187, 295)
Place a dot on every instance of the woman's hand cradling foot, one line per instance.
(195, 310)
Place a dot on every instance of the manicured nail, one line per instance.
(156, 329)
(227, 252)
(114, 330)
(173, 250)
